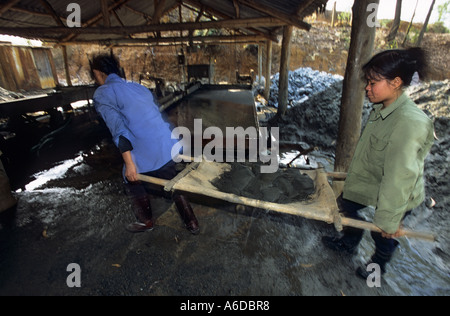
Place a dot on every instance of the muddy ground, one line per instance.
(78, 220)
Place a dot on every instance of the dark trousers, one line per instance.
(352, 236)
(139, 189)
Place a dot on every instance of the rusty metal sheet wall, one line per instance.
(43, 59)
(26, 68)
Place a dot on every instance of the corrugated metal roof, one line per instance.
(35, 19)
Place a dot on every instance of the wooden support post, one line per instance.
(284, 70)
(66, 65)
(361, 48)
(260, 73)
(268, 72)
(333, 15)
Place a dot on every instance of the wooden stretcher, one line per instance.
(197, 178)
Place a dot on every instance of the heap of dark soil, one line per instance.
(284, 186)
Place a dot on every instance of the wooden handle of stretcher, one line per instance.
(287, 209)
(372, 227)
(340, 176)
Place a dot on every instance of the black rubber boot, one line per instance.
(186, 213)
(381, 258)
(339, 245)
(143, 212)
(348, 243)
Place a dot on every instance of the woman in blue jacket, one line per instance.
(142, 136)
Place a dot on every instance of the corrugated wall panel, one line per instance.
(30, 79)
(44, 68)
(8, 77)
(25, 68)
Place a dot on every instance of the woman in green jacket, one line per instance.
(387, 167)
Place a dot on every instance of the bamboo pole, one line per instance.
(337, 175)
(235, 199)
(281, 208)
(370, 226)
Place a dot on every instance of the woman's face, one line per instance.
(381, 90)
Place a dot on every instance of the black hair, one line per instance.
(107, 64)
(403, 63)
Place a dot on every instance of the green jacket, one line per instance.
(387, 167)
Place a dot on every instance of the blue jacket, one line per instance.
(129, 110)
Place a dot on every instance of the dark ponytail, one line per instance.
(398, 63)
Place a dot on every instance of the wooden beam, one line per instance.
(144, 15)
(95, 19)
(35, 13)
(118, 18)
(52, 31)
(99, 16)
(52, 12)
(66, 65)
(158, 11)
(8, 5)
(361, 49)
(260, 71)
(199, 7)
(268, 72)
(237, 9)
(199, 16)
(197, 19)
(303, 6)
(219, 14)
(233, 39)
(288, 19)
(284, 70)
(105, 13)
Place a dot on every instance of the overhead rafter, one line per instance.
(304, 6)
(159, 10)
(289, 19)
(233, 23)
(177, 40)
(141, 19)
(105, 13)
(212, 11)
(96, 18)
(8, 5)
(237, 9)
(52, 12)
